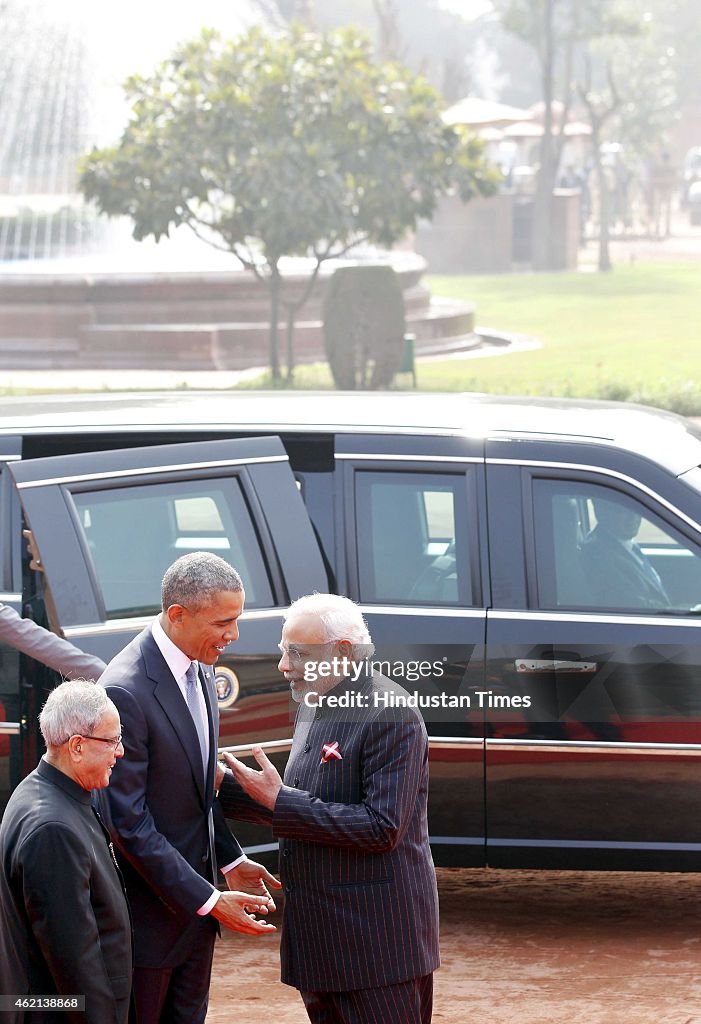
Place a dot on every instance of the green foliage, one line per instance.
(364, 326)
(613, 45)
(572, 22)
(293, 144)
(632, 334)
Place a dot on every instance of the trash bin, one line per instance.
(408, 363)
(694, 202)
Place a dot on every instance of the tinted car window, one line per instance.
(134, 533)
(599, 548)
(411, 538)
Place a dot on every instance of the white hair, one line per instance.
(74, 708)
(340, 618)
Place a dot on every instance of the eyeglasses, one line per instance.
(294, 653)
(114, 741)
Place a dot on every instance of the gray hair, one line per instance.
(195, 579)
(340, 618)
(74, 708)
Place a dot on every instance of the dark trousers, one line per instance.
(175, 995)
(410, 1002)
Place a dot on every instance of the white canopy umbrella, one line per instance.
(477, 113)
(524, 130)
(534, 130)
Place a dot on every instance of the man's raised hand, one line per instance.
(262, 786)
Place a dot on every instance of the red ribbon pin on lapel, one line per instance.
(330, 751)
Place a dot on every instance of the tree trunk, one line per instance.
(542, 240)
(290, 342)
(389, 34)
(274, 287)
(604, 213)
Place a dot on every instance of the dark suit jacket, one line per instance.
(47, 647)
(615, 576)
(157, 805)
(361, 905)
(64, 921)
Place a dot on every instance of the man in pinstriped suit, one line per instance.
(360, 926)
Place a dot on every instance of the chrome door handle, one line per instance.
(553, 665)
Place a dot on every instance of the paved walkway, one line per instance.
(684, 243)
(124, 380)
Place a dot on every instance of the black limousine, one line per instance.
(543, 558)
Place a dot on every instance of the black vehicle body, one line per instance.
(460, 524)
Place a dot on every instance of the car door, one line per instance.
(594, 664)
(12, 685)
(105, 526)
(411, 530)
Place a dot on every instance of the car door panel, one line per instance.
(14, 690)
(599, 770)
(64, 499)
(412, 515)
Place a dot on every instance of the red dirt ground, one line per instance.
(524, 948)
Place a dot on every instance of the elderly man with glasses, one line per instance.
(65, 932)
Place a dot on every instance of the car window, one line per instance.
(411, 538)
(134, 533)
(599, 548)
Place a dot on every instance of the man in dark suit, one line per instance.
(618, 572)
(43, 645)
(167, 825)
(360, 924)
(64, 921)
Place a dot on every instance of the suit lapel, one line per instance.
(167, 693)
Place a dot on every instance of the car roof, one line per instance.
(670, 440)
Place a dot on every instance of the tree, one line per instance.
(271, 146)
(389, 33)
(546, 26)
(425, 35)
(560, 33)
(674, 24)
(600, 106)
(627, 87)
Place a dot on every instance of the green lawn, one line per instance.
(634, 333)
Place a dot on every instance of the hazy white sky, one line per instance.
(468, 8)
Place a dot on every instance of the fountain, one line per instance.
(75, 289)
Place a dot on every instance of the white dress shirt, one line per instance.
(178, 663)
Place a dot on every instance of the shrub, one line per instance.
(364, 324)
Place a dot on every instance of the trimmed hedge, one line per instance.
(363, 313)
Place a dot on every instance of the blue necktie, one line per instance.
(191, 696)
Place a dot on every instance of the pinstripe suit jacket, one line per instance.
(361, 906)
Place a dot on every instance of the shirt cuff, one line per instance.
(206, 908)
(234, 864)
(211, 902)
